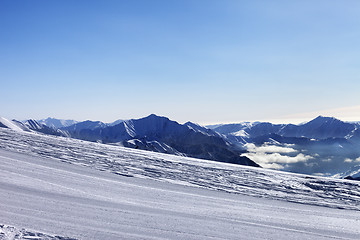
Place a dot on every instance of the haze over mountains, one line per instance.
(323, 146)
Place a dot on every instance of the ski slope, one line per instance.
(52, 185)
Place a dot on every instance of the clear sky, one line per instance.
(198, 60)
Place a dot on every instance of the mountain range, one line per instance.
(318, 128)
(152, 133)
(324, 146)
(160, 134)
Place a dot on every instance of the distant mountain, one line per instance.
(56, 123)
(30, 126)
(38, 127)
(318, 128)
(163, 135)
(324, 146)
(232, 128)
(63, 123)
(87, 125)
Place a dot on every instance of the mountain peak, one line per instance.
(320, 120)
(192, 124)
(154, 116)
(324, 118)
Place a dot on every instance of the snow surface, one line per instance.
(146, 195)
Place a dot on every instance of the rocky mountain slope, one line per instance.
(160, 134)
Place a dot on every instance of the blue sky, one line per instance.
(202, 61)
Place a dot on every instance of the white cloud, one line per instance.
(269, 149)
(348, 160)
(272, 156)
(273, 160)
(326, 159)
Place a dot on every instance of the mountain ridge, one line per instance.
(164, 135)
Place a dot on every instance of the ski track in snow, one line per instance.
(56, 198)
(41, 193)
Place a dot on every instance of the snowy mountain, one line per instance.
(56, 123)
(202, 130)
(318, 128)
(38, 127)
(323, 146)
(12, 124)
(30, 126)
(162, 135)
(86, 125)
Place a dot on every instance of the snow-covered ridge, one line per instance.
(32, 124)
(189, 171)
(10, 124)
